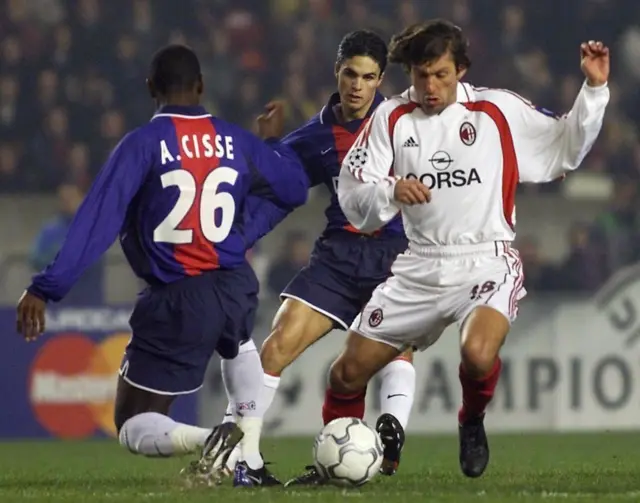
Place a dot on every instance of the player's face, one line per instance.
(435, 84)
(358, 79)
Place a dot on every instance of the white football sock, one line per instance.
(269, 391)
(243, 380)
(156, 435)
(229, 416)
(398, 389)
(271, 384)
(250, 444)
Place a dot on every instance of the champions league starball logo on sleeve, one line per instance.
(357, 158)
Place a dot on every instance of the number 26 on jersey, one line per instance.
(210, 199)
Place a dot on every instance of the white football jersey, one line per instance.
(472, 156)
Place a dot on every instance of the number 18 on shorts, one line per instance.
(431, 289)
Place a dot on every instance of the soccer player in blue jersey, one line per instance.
(177, 192)
(346, 265)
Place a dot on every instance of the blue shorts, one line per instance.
(343, 271)
(177, 328)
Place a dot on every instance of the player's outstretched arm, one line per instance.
(366, 185)
(98, 220)
(548, 147)
(261, 217)
(280, 176)
(263, 211)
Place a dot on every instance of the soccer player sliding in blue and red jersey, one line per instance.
(345, 266)
(187, 194)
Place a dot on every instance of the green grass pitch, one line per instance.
(524, 468)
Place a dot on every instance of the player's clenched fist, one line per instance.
(411, 192)
(594, 61)
(271, 123)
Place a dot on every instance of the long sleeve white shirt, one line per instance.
(472, 156)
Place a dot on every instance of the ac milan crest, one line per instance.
(375, 318)
(468, 134)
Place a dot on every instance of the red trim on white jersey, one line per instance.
(514, 269)
(396, 114)
(510, 174)
(394, 117)
(519, 282)
(362, 134)
(364, 138)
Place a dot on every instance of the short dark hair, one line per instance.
(363, 43)
(175, 68)
(424, 42)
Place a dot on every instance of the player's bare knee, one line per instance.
(347, 376)
(282, 346)
(295, 327)
(273, 355)
(483, 334)
(132, 401)
(361, 360)
(478, 354)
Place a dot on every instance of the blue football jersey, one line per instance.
(175, 191)
(322, 144)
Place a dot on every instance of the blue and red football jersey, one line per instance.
(322, 144)
(176, 191)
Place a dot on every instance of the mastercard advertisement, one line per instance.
(64, 385)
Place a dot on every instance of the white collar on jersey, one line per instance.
(464, 93)
(182, 112)
(181, 116)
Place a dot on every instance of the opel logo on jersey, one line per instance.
(440, 160)
(468, 134)
(358, 158)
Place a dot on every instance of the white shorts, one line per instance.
(433, 287)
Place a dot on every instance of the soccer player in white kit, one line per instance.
(449, 156)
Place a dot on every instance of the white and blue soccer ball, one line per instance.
(348, 452)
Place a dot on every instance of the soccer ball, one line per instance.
(347, 452)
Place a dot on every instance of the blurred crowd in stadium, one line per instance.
(71, 83)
